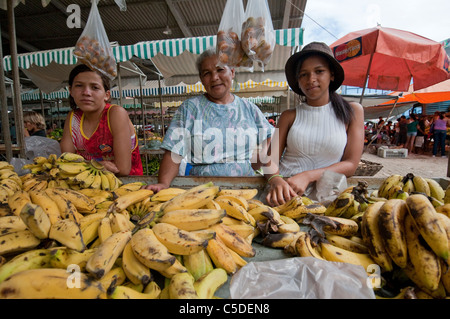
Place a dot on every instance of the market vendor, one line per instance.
(324, 132)
(34, 124)
(217, 132)
(97, 129)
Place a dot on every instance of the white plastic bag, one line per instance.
(301, 278)
(93, 47)
(229, 47)
(258, 34)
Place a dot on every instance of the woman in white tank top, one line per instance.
(323, 133)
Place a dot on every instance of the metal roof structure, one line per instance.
(39, 28)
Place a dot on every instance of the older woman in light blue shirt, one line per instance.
(217, 132)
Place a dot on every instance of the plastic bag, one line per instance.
(258, 35)
(35, 146)
(229, 47)
(93, 47)
(301, 278)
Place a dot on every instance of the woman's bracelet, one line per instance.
(276, 175)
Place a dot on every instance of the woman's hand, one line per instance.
(156, 187)
(110, 166)
(280, 192)
(299, 182)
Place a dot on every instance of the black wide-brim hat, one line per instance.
(311, 49)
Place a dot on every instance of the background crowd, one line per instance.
(418, 133)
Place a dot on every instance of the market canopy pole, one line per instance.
(18, 115)
(4, 109)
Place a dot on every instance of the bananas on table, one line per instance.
(119, 238)
(126, 242)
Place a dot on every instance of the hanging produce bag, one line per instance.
(229, 47)
(93, 47)
(258, 35)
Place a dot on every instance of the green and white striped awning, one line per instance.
(144, 50)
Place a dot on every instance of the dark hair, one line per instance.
(84, 68)
(342, 109)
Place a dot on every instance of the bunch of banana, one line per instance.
(410, 235)
(10, 182)
(350, 203)
(397, 186)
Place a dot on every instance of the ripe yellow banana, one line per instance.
(150, 251)
(176, 268)
(244, 230)
(410, 271)
(167, 194)
(104, 229)
(82, 202)
(288, 226)
(195, 197)
(103, 259)
(48, 283)
(135, 271)
(89, 231)
(207, 285)
(246, 193)
(221, 256)
(234, 241)
(11, 224)
(193, 219)
(97, 182)
(428, 224)
(48, 205)
(70, 157)
(342, 226)
(235, 210)
(178, 241)
(235, 198)
(338, 206)
(388, 183)
(181, 286)
(112, 278)
(372, 238)
(17, 201)
(436, 190)
(130, 198)
(334, 253)
(72, 168)
(104, 181)
(36, 219)
(198, 264)
(68, 233)
(421, 185)
(17, 241)
(347, 244)
(391, 227)
(124, 292)
(63, 257)
(265, 213)
(114, 181)
(279, 240)
(306, 248)
(66, 207)
(425, 262)
(31, 259)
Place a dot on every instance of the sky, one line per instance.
(328, 20)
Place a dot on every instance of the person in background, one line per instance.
(403, 131)
(217, 133)
(97, 129)
(324, 133)
(441, 123)
(411, 132)
(34, 124)
(421, 135)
